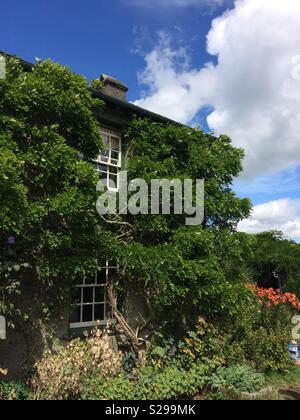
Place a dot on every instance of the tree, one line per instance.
(275, 262)
(180, 270)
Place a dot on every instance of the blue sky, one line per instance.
(231, 67)
(95, 36)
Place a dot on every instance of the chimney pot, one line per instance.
(113, 87)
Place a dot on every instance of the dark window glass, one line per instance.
(90, 279)
(113, 170)
(99, 295)
(87, 314)
(103, 168)
(99, 313)
(88, 294)
(115, 155)
(101, 278)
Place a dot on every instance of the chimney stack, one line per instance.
(113, 87)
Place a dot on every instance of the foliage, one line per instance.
(188, 269)
(150, 383)
(49, 197)
(274, 254)
(49, 228)
(202, 345)
(163, 348)
(13, 391)
(241, 378)
(231, 382)
(50, 232)
(59, 374)
(159, 151)
(163, 257)
(266, 349)
(97, 84)
(262, 333)
(259, 338)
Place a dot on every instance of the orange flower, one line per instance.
(271, 297)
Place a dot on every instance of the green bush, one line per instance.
(266, 350)
(13, 391)
(230, 382)
(148, 383)
(241, 378)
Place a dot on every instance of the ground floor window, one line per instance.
(90, 305)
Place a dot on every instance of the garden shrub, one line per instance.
(266, 349)
(13, 391)
(203, 345)
(266, 330)
(238, 379)
(149, 383)
(59, 375)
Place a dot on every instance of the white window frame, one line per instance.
(94, 322)
(107, 160)
(108, 172)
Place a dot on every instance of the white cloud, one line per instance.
(255, 97)
(282, 215)
(175, 90)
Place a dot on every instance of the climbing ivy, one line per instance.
(49, 231)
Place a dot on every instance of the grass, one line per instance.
(285, 380)
(284, 386)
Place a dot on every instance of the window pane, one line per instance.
(90, 279)
(87, 313)
(113, 181)
(105, 138)
(112, 274)
(115, 155)
(99, 295)
(101, 277)
(103, 168)
(113, 170)
(115, 143)
(103, 176)
(75, 315)
(105, 155)
(88, 295)
(99, 313)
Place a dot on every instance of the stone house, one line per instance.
(89, 306)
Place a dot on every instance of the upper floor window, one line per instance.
(111, 155)
(108, 163)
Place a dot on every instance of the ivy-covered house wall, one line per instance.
(49, 120)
